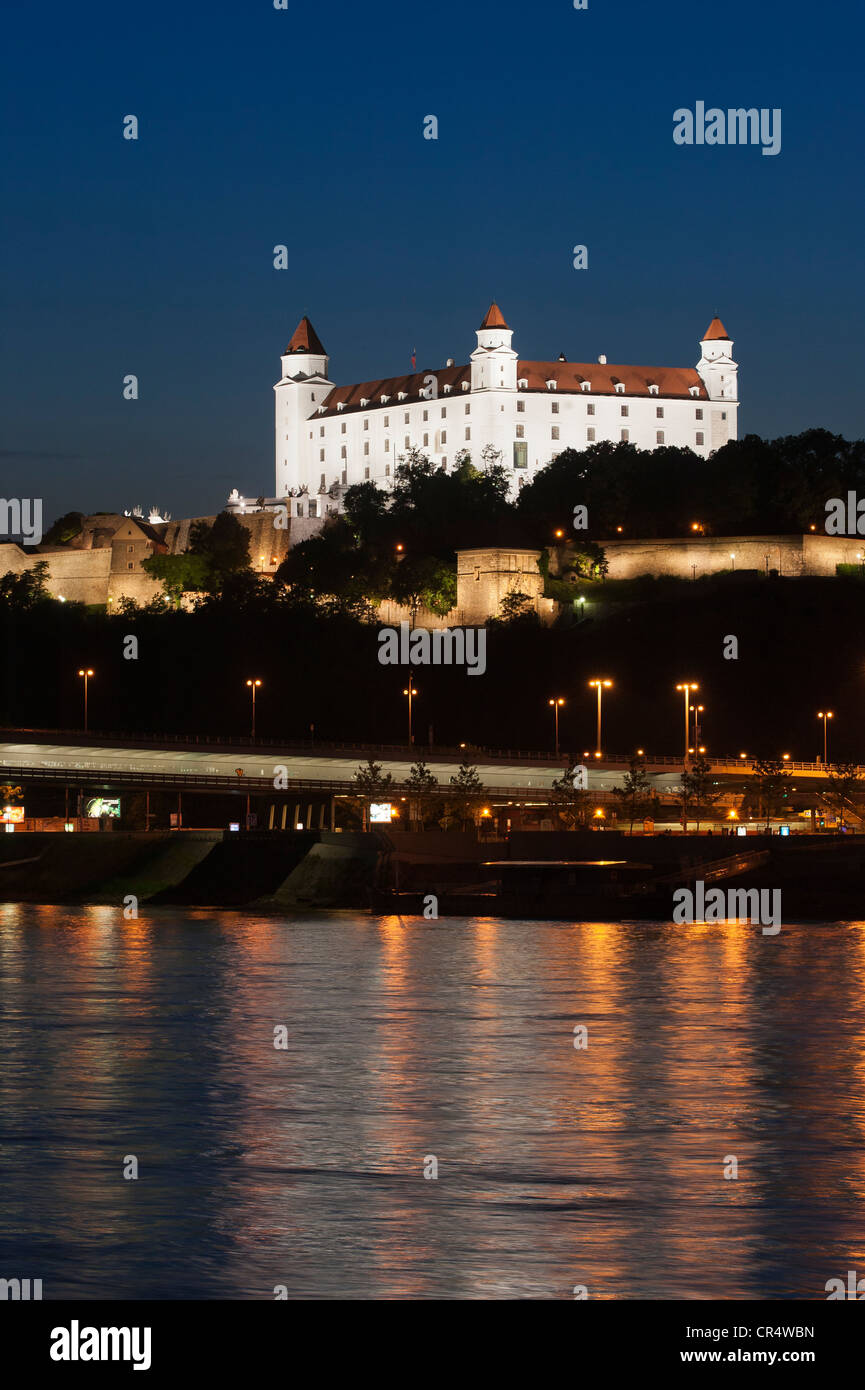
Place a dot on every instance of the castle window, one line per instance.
(468, 432)
(445, 462)
(344, 477)
(465, 385)
(426, 415)
(321, 484)
(406, 418)
(426, 440)
(312, 396)
(523, 383)
(626, 434)
(447, 388)
(130, 549)
(387, 446)
(131, 565)
(551, 385)
(659, 436)
(366, 424)
(342, 452)
(653, 390)
(699, 436)
(386, 419)
(694, 390)
(444, 412)
(590, 409)
(659, 412)
(384, 401)
(521, 406)
(521, 431)
(400, 395)
(387, 470)
(468, 410)
(554, 407)
(444, 436)
(698, 414)
(321, 455)
(342, 428)
(590, 435)
(366, 475)
(521, 454)
(313, 509)
(407, 443)
(340, 405)
(310, 435)
(625, 409)
(620, 388)
(555, 432)
(364, 400)
(723, 414)
(366, 447)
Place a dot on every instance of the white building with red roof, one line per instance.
(497, 407)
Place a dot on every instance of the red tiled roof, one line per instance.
(670, 381)
(715, 330)
(305, 339)
(495, 318)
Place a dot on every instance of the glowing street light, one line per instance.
(86, 674)
(411, 692)
(556, 704)
(600, 685)
(686, 687)
(253, 685)
(824, 715)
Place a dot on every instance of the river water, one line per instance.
(408, 1041)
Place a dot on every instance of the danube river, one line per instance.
(407, 1045)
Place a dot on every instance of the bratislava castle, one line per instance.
(497, 407)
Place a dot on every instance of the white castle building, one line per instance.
(501, 409)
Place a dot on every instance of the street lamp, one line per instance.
(824, 715)
(556, 703)
(253, 685)
(86, 674)
(686, 687)
(411, 692)
(697, 710)
(600, 686)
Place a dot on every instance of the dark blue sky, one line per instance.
(304, 127)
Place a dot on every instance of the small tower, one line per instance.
(494, 362)
(303, 387)
(716, 366)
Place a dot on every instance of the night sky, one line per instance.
(304, 127)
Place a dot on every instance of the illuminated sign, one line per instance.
(380, 813)
(103, 806)
(12, 814)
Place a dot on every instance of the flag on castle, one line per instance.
(413, 358)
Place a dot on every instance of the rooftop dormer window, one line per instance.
(340, 405)
(620, 388)
(400, 395)
(653, 388)
(364, 400)
(523, 384)
(551, 385)
(447, 388)
(465, 385)
(695, 390)
(585, 386)
(385, 399)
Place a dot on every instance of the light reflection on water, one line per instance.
(408, 1038)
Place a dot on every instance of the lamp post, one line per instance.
(686, 687)
(824, 715)
(410, 692)
(600, 686)
(86, 674)
(556, 703)
(697, 710)
(253, 685)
